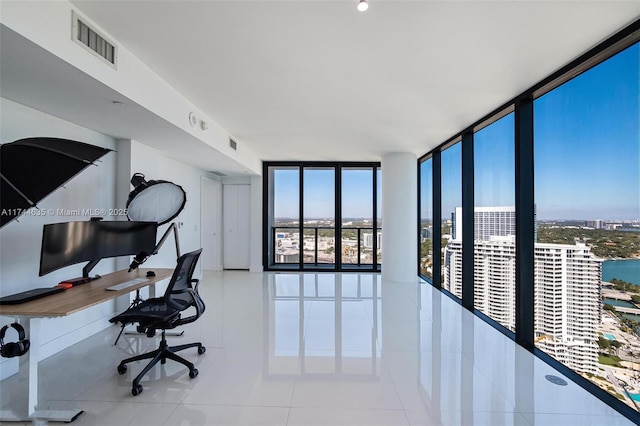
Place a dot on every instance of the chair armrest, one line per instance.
(197, 303)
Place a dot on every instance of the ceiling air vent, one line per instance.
(233, 144)
(87, 37)
(218, 173)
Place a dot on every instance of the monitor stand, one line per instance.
(85, 278)
(77, 281)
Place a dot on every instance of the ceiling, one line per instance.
(318, 80)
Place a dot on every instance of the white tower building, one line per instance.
(567, 286)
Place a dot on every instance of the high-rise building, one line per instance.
(595, 224)
(567, 288)
(488, 222)
(368, 239)
(426, 233)
(567, 297)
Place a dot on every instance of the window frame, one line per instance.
(267, 257)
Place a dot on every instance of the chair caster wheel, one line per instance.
(193, 373)
(122, 369)
(136, 390)
(201, 350)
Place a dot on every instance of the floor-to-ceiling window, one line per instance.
(587, 196)
(322, 216)
(552, 182)
(451, 248)
(494, 221)
(426, 219)
(319, 221)
(284, 214)
(357, 216)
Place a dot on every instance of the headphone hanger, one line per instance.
(13, 349)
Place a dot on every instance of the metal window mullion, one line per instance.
(301, 217)
(437, 219)
(467, 221)
(374, 243)
(265, 221)
(315, 250)
(337, 232)
(525, 223)
(274, 232)
(359, 233)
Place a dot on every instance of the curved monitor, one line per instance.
(68, 243)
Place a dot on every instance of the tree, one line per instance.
(630, 325)
(608, 307)
(616, 345)
(425, 248)
(604, 343)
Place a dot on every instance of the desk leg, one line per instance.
(28, 409)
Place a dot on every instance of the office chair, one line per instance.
(163, 313)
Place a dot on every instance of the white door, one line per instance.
(211, 224)
(236, 218)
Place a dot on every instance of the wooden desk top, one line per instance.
(85, 295)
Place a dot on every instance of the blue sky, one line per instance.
(286, 188)
(587, 156)
(319, 194)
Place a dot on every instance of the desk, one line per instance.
(61, 304)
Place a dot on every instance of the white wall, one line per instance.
(20, 240)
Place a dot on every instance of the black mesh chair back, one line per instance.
(180, 293)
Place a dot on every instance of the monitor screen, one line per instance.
(68, 243)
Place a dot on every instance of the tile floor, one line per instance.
(318, 349)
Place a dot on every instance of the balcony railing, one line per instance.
(318, 245)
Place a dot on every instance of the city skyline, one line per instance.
(448, 218)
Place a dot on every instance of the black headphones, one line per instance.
(19, 348)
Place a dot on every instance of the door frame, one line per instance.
(211, 190)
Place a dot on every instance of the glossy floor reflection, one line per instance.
(319, 349)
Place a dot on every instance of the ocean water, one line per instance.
(627, 270)
(621, 303)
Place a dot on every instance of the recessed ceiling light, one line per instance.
(363, 5)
